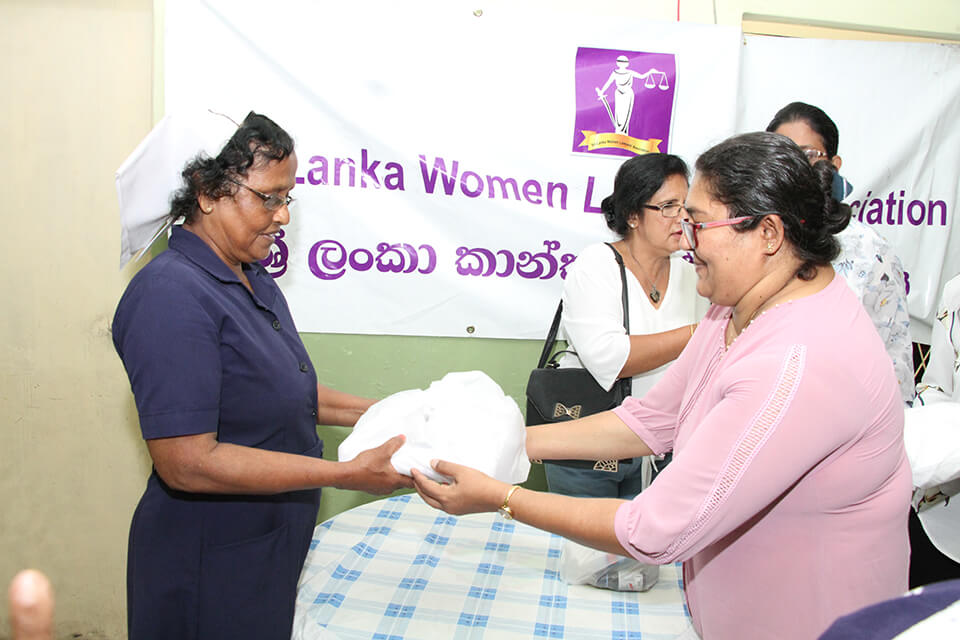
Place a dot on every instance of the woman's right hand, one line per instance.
(468, 491)
(371, 471)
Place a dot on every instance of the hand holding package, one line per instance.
(463, 418)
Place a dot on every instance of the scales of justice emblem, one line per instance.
(637, 97)
(622, 78)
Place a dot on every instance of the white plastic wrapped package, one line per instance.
(583, 565)
(931, 435)
(463, 418)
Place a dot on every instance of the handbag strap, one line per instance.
(551, 337)
(623, 285)
(555, 325)
(626, 384)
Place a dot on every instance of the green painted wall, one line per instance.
(376, 366)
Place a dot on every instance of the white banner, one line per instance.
(452, 161)
(897, 106)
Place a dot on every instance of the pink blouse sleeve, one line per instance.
(653, 417)
(768, 425)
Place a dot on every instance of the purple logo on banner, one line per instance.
(624, 101)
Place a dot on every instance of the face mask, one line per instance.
(840, 188)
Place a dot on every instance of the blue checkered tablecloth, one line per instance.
(399, 569)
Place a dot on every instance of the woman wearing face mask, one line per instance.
(866, 261)
(786, 500)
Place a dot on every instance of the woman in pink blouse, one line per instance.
(788, 493)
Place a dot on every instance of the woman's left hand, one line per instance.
(469, 490)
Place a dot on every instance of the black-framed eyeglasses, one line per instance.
(690, 228)
(271, 202)
(668, 210)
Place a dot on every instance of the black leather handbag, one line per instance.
(557, 394)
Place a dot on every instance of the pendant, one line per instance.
(655, 295)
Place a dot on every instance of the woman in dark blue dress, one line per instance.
(228, 403)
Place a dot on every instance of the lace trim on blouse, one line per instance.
(749, 444)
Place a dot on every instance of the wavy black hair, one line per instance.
(760, 172)
(637, 180)
(815, 118)
(257, 142)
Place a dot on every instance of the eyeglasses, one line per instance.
(668, 210)
(814, 154)
(690, 228)
(270, 202)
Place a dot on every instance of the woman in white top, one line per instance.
(648, 195)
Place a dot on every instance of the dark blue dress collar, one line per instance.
(192, 247)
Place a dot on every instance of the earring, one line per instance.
(769, 246)
(633, 225)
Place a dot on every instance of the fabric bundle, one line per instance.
(463, 418)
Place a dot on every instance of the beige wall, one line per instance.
(920, 16)
(75, 98)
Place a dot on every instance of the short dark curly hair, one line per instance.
(257, 142)
(760, 172)
(637, 180)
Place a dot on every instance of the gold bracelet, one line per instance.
(693, 327)
(505, 509)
